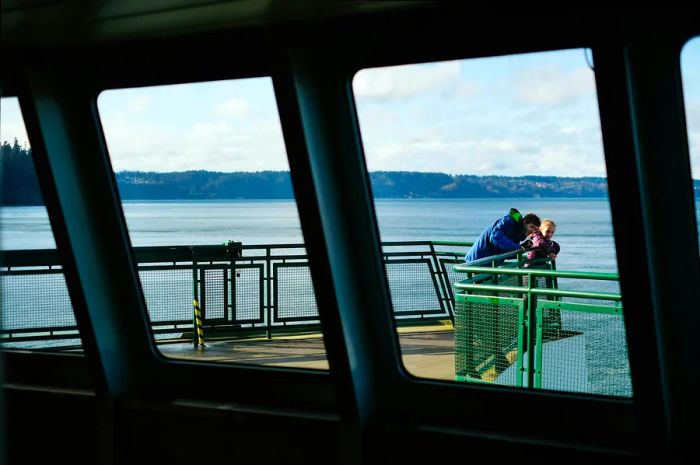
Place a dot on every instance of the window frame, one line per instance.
(365, 391)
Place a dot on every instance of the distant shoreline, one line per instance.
(440, 199)
(20, 187)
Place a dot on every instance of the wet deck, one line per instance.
(427, 352)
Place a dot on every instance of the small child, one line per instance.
(542, 244)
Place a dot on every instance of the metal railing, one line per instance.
(515, 326)
(237, 288)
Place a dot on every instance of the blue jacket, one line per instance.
(503, 236)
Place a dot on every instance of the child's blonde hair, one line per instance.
(548, 222)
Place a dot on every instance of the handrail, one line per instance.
(536, 272)
(503, 316)
(454, 243)
(539, 291)
(259, 274)
(492, 258)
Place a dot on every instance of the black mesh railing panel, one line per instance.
(486, 340)
(32, 301)
(168, 293)
(589, 354)
(36, 312)
(452, 275)
(214, 285)
(412, 287)
(248, 295)
(294, 295)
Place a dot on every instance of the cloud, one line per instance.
(546, 150)
(139, 103)
(550, 85)
(403, 82)
(235, 106)
(211, 145)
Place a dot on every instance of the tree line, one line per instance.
(18, 182)
(20, 186)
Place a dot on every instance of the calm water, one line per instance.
(584, 229)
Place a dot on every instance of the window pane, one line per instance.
(690, 71)
(451, 147)
(206, 191)
(36, 308)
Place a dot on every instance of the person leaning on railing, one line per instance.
(503, 236)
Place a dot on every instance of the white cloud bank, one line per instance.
(400, 82)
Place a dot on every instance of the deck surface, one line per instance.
(427, 352)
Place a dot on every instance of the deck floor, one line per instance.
(426, 352)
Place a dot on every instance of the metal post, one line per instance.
(268, 288)
(538, 346)
(531, 328)
(522, 325)
(198, 332)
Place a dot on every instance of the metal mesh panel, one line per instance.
(248, 304)
(588, 355)
(511, 280)
(294, 293)
(168, 294)
(486, 339)
(452, 275)
(412, 287)
(214, 281)
(36, 301)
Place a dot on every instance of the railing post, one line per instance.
(268, 289)
(444, 284)
(522, 325)
(531, 330)
(197, 330)
(234, 250)
(539, 347)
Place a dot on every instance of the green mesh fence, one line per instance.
(587, 353)
(486, 337)
(295, 299)
(562, 345)
(413, 287)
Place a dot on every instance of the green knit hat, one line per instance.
(515, 214)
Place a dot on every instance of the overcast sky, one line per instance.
(514, 115)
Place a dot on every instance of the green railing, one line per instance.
(238, 288)
(515, 326)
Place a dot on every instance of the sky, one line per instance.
(530, 114)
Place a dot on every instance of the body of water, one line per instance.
(584, 228)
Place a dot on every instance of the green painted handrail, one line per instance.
(455, 243)
(539, 291)
(491, 259)
(535, 272)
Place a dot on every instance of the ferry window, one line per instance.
(690, 71)
(36, 308)
(458, 153)
(205, 186)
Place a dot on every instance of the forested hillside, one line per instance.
(20, 187)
